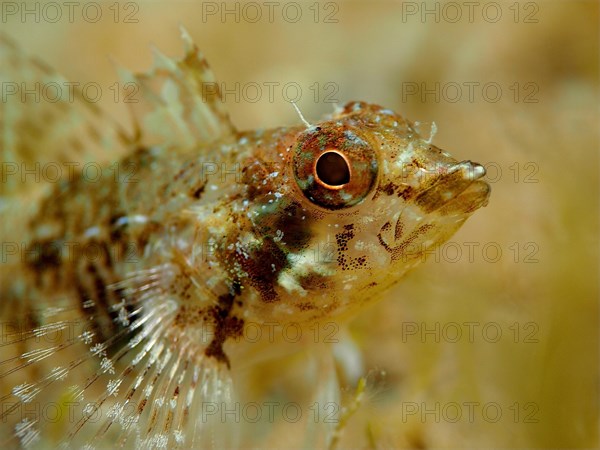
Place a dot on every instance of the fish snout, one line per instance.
(458, 189)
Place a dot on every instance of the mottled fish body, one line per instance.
(149, 275)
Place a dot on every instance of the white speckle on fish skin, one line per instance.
(353, 138)
(347, 197)
(289, 283)
(92, 232)
(136, 218)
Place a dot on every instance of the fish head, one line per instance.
(362, 198)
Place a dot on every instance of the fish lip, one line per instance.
(458, 190)
(476, 193)
(470, 170)
(479, 191)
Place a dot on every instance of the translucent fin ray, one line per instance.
(179, 102)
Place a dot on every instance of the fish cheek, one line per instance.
(263, 265)
(295, 224)
(287, 223)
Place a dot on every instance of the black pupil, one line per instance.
(332, 169)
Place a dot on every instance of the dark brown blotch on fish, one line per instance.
(225, 325)
(263, 266)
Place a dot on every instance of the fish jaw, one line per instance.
(457, 191)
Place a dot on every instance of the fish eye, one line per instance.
(334, 168)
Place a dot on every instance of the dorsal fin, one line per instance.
(180, 101)
(45, 121)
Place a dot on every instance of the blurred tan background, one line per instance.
(539, 139)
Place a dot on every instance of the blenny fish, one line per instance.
(125, 293)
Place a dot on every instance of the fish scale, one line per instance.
(206, 231)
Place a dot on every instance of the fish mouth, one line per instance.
(450, 198)
(460, 190)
